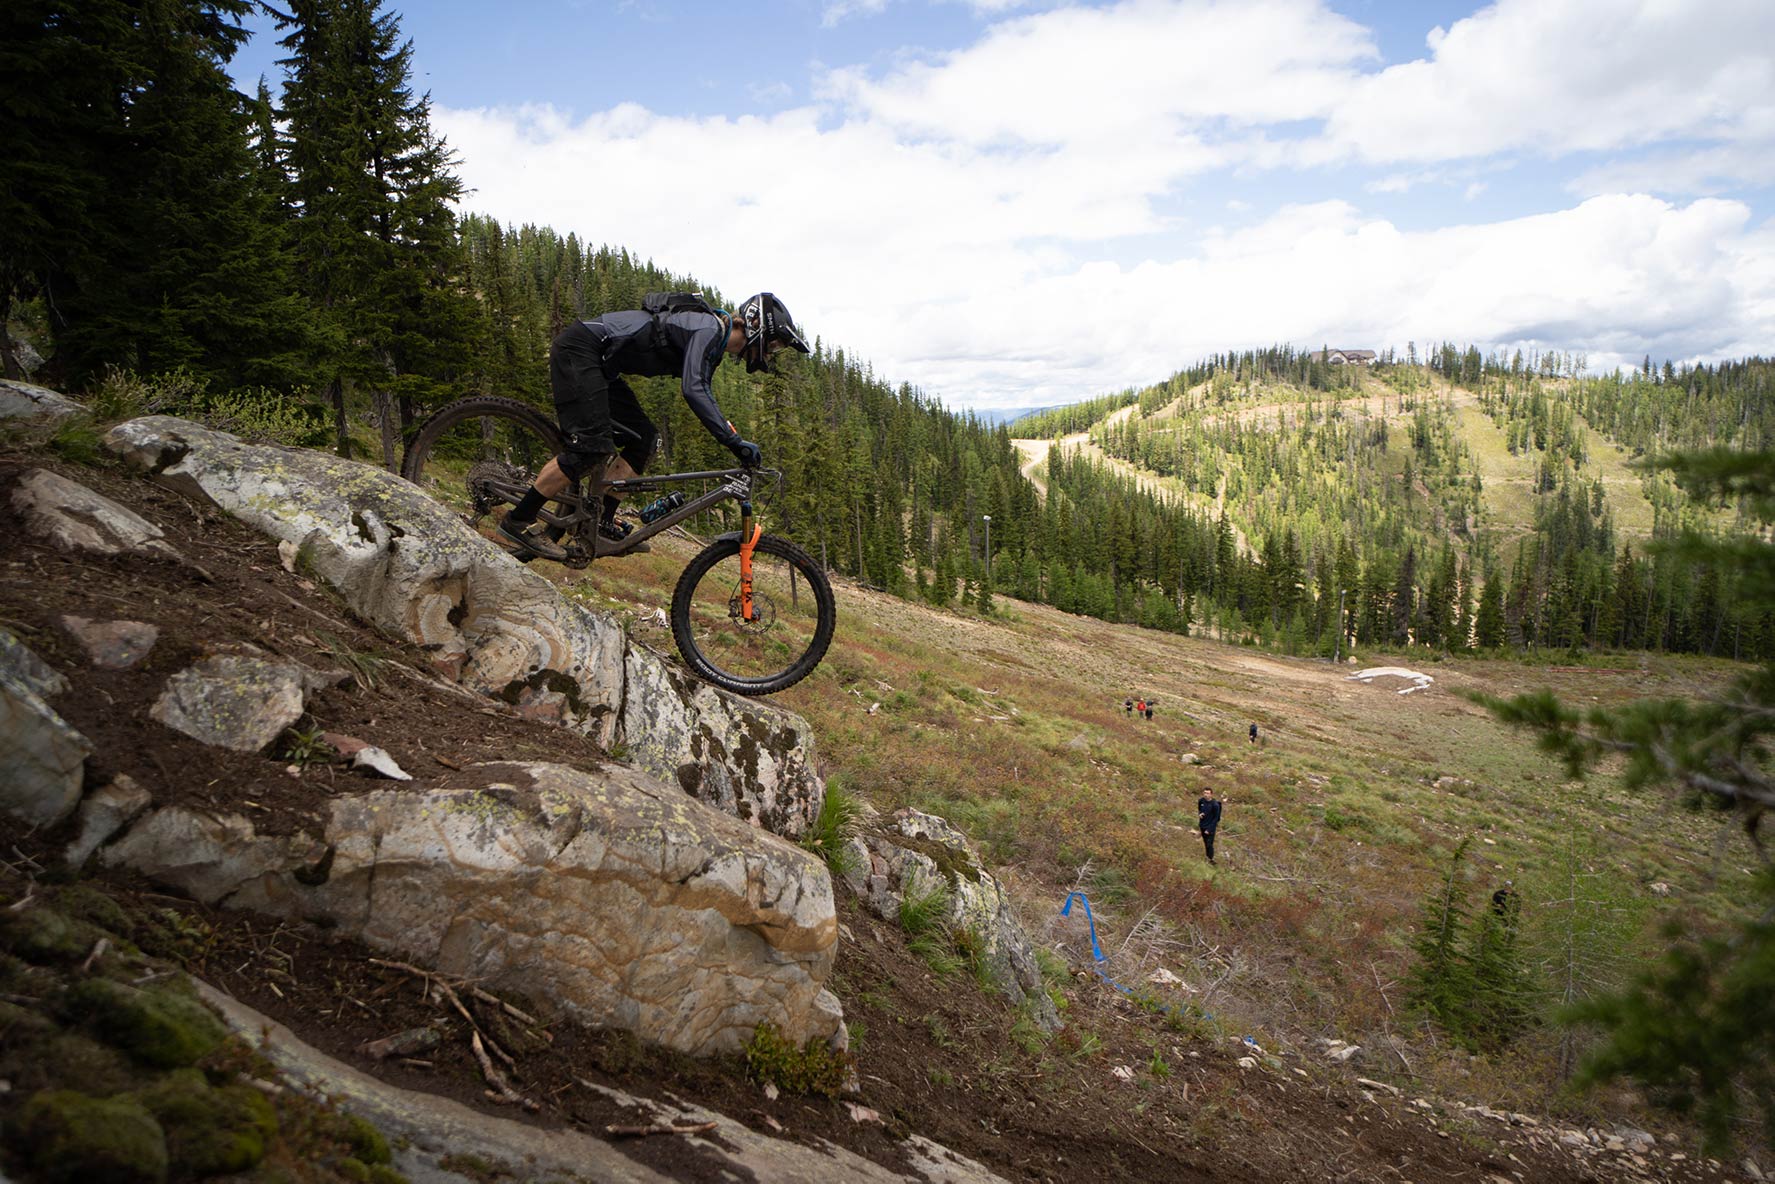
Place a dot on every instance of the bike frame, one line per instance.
(736, 485)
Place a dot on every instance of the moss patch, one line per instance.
(75, 1139)
(210, 1130)
(162, 1026)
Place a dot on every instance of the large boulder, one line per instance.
(917, 853)
(413, 569)
(612, 896)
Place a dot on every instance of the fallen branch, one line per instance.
(502, 1090)
(659, 1128)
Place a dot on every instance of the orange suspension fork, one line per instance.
(750, 532)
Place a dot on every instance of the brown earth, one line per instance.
(936, 1056)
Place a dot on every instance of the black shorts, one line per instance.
(594, 405)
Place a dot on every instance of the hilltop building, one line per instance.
(1343, 357)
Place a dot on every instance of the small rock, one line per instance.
(860, 1113)
(43, 755)
(1124, 1073)
(409, 1043)
(771, 1091)
(1659, 888)
(112, 645)
(1754, 1170)
(378, 761)
(1346, 1053)
(1164, 978)
(1381, 1085)
(1247, 1062)
(1190, 758)
(286, 555)
(235, 701)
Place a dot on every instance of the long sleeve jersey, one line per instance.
(689, 343)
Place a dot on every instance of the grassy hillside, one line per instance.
(1339, 821)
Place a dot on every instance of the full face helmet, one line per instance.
(768, 328)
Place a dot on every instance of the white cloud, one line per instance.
(1142, 74)
(954, 219)
(1578, 75)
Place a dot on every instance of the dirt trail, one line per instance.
(1166, 488)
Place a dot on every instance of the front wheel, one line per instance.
(791, 622)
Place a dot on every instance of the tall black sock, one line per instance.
(525, 510)
(610, 504)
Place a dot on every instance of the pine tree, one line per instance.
(64, 69)
(372, 187)
(1442, 981)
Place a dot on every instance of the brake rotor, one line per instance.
(764, 613)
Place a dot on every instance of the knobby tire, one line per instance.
(475, 407)
(700, 658)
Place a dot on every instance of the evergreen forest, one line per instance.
(300, 256)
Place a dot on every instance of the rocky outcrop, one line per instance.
(616, 898)
(410, 567)
(917, 853)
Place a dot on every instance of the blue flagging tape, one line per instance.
(1097, 957)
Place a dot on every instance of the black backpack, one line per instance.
(661, 303)
(664, 302)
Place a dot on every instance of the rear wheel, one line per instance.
(481, 453)
(791, 624)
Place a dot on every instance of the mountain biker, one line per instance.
(586, 363)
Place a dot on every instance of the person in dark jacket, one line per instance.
(1208, 820)
(586, 366)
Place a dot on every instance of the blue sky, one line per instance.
(1015, 204)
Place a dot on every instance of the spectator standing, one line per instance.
(1208, 819)
(1140, 707)
(1254, 733)
(1149, 709)
(1128, 706)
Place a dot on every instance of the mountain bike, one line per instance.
(752, 613)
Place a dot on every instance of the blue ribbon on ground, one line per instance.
(1097, 951)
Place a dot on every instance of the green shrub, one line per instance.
(252, 413)
(829, 836)
(924, 904)
(811, 1069)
